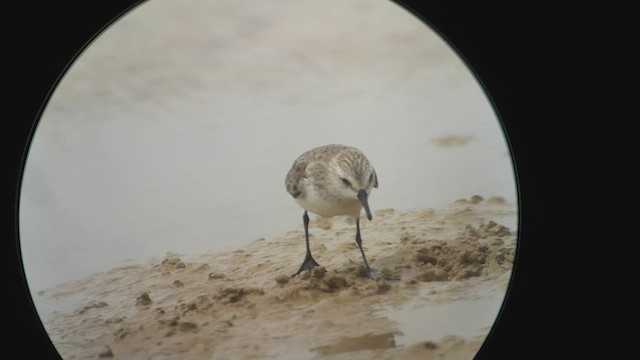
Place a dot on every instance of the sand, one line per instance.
(244, 304)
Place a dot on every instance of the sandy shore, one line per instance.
(244, 304)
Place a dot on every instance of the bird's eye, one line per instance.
(346, 182)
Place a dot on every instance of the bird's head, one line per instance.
(356, 179)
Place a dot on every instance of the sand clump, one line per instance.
(245, 303)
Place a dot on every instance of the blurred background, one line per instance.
(174, 129)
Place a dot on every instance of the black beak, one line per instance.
(362, 196)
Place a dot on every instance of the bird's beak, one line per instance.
(362, 196)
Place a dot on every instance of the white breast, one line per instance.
(313, 202)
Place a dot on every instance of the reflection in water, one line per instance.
(364, 342)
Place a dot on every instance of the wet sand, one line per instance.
(445, 273)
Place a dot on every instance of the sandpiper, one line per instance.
(332, 180)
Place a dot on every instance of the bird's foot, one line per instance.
(371, 273)
(308, 264)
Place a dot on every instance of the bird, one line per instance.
(332, 180)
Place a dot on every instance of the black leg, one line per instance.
(359, 242)
(309, 262)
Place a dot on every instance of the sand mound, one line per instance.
(245, 303)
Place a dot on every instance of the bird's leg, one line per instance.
(359, 242)
(309, 262)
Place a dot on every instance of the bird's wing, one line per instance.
(375, 179)
(294, 179)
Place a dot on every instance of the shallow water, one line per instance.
(464, 318)
(356, 343)
(418, 321)
(178, 138)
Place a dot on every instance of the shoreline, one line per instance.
(243, 303)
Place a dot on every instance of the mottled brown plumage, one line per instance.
(329, 181)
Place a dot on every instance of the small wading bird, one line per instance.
(332, 180)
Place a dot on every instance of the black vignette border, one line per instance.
(44, 40)
(503, 43)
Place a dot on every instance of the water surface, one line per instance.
(174, 129)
